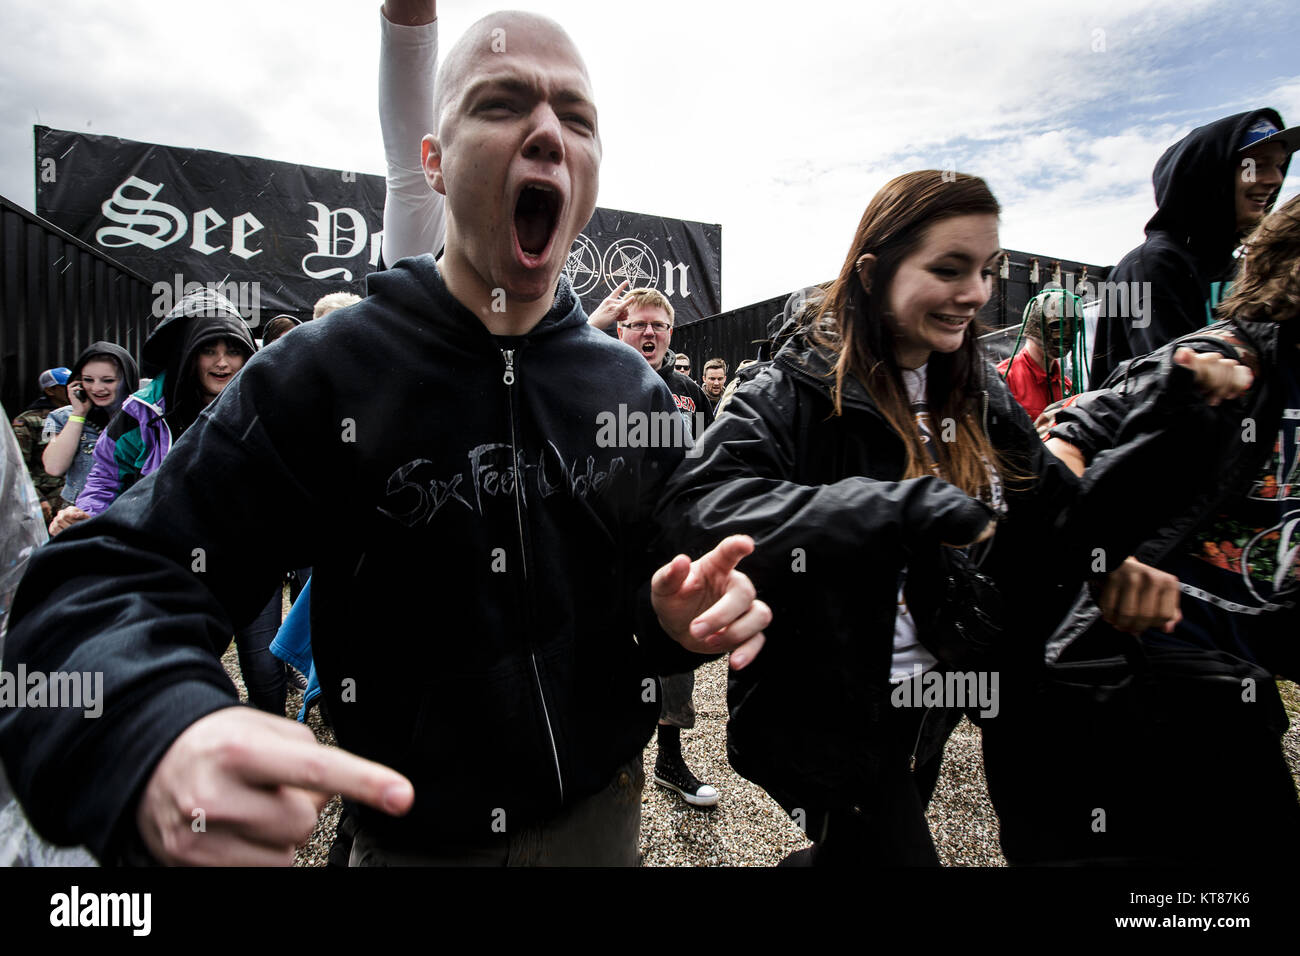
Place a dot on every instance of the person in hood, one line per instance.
(877, 446)
(193, 354)
(464, 526)
(100, 380)
(1212, 187)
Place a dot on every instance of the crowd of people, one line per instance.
(870, 504)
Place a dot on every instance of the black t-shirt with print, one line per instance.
(1240, 573)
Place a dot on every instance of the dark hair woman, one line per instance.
(99, 381)
(872, 461)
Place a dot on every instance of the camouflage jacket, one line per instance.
(28, 426)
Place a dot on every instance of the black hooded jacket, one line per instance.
(481, 564)
(130, 374)
(171, 348)
(835, 524)
(1188, 254)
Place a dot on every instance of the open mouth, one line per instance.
(537, 211)
(951, 321)
(648, 348)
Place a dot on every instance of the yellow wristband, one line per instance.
(77, 418)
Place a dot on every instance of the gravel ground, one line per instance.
(748, 828)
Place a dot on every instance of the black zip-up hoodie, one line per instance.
(480, 561)
(1187, 256)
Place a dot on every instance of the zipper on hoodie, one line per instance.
(508, 378)
(916, 744)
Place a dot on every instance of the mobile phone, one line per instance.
(81, 394)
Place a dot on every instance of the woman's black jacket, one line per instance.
(835, 527)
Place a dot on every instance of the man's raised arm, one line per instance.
(408, 61)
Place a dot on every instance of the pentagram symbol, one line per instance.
(631, 259)
(582, 265)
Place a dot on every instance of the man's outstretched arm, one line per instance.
(136, 607)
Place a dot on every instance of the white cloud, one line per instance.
(777, 120)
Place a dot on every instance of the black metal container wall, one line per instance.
(57, 295)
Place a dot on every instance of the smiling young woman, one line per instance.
(906, 299)
(871, 462)
(101, 378)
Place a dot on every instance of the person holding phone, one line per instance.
(99, 381)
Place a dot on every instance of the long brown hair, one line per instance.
(856, 330)
(1268, 288)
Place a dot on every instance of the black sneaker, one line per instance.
(680, 778)
(296, 679)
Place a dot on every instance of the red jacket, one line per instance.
(1028, 382)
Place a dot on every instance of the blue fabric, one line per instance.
(75, 478)
(264, 674)
(293, 644)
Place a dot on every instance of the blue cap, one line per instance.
(55, 376)
(1263, 131)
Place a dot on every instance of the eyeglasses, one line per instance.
(659, 327)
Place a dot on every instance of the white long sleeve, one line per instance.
(414, 218)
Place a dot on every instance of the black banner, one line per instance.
(681, 259)
(275, 237)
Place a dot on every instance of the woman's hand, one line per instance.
(78, 406)
(66, 519)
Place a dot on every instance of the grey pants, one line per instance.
(602, 830)
(678, 708)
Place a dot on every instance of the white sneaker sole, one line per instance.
(707, 796)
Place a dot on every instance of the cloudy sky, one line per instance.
(777, 121)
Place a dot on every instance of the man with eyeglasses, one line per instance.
(683, 364)
(645, 322)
